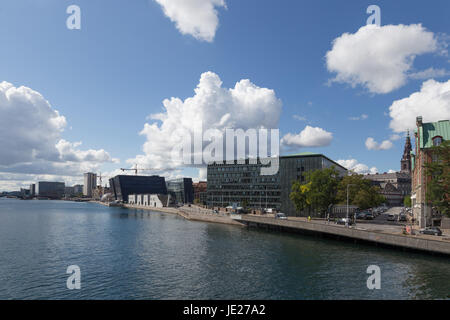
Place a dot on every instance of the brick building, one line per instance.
(426, 136)
(200, 191)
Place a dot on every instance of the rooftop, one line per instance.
(433, 129)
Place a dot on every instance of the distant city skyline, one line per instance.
(119, 91)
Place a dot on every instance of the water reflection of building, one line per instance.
(395, 186)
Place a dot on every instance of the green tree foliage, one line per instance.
(298, 195)
(407, 201)
(361, 193)
(318, 192)
(439, 172)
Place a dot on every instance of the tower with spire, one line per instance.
(406, 159)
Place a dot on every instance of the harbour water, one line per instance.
(134, 254)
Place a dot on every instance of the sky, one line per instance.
(120, 89)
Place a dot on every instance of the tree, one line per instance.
(361, 193)
(318, 192)
(438, 172)
(407, 201)
(299, 195)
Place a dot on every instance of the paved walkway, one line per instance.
(376, 226)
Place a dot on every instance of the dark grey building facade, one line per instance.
(123, 185)
(53, 190)
(293, 167)
(182, 189)
(243, 184)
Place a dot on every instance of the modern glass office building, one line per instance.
(181, 189)
(53, 190)
(242, 184)
(124, 185)
(293, 167)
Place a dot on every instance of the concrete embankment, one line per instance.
(207, 217)
(419, 243)
(192, 213)
(165, 210)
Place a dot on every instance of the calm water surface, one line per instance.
(133, 254)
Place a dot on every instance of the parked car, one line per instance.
(391, 217)
(369, 216)
(281, 216)
(435, 231)
(402, 217)
(361, 215)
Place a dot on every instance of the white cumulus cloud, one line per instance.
(371, 144)
(308, 137)
(361, 117)
(395, 137)
(429, 73)
(379, 57)
(30, 137)
(212, 106)
(68, 152)
(198, 18)
(355, 166)
(432, 102)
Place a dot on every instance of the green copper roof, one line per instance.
(302, 154)
(433, 129)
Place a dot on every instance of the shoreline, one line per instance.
(338, 233)
(193, 213)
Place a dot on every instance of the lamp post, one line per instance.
(346, 222)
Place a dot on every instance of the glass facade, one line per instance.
(292, 168)
(181, 189)
(242, 183)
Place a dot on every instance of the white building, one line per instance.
(151, 200)
(90, 183)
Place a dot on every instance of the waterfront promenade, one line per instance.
(389, 237)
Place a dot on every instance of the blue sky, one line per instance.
(108, 77)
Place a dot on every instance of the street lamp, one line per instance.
(346, 222)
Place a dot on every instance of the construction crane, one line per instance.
(100, 178)
(136, 169)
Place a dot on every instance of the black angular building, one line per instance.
(124, 185)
